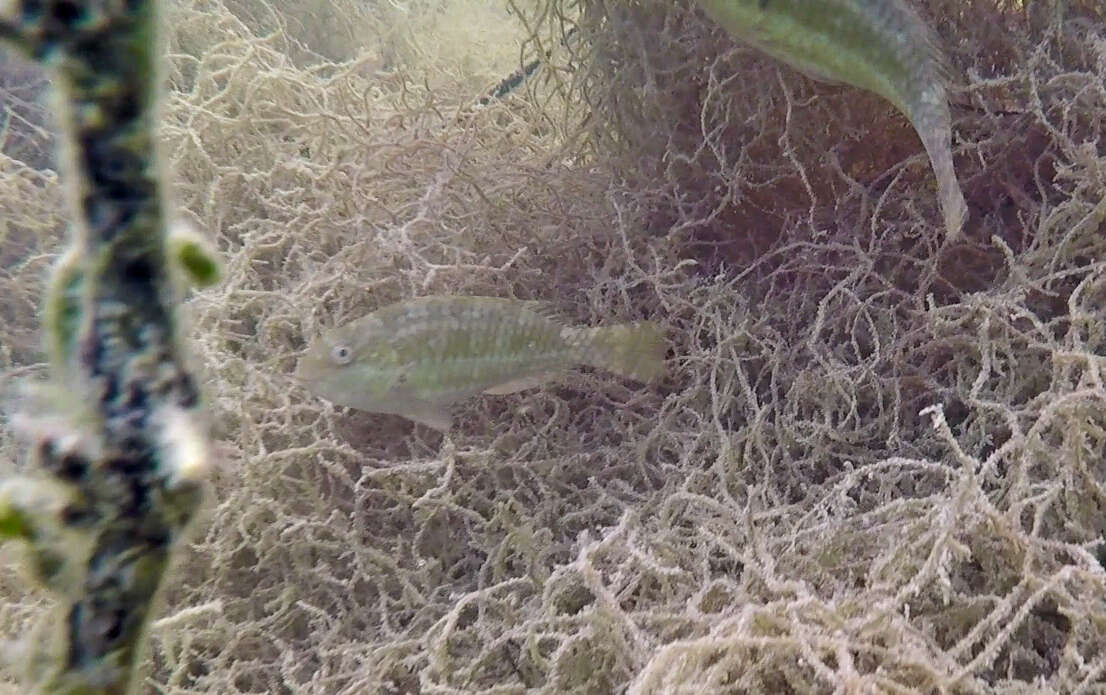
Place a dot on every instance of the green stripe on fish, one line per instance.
(415, 358)
(882, 46)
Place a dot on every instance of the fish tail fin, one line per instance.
(933, 123)
(951, 198)
(632, 350)
(953, 205)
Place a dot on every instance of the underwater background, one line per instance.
(875, 463)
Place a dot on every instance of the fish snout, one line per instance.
(302, 374)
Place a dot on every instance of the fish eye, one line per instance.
(341, 354)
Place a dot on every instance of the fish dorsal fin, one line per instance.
(546, 310)
(516, 385)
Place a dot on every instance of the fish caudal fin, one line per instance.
(633, 350)
(930, 116)
(953, 205)
(951, 198)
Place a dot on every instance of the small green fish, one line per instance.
(882, 46)
(415, 358)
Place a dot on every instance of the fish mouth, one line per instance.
(299, 375)
(309, 374)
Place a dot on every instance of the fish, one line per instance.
(882, 46)
(416, 358)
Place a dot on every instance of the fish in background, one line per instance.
(417, 357)
(882, 46)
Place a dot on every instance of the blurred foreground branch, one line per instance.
(118, 455)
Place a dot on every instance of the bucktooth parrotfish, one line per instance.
(417, 357)
(882, 46)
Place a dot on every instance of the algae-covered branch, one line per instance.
(118, 455)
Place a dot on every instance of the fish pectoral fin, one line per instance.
(815, 73)
(432, 415)
(516, 385)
